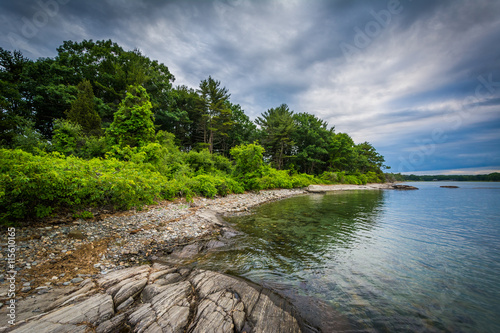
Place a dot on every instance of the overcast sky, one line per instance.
(420, 80)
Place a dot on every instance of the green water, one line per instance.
(378, 261)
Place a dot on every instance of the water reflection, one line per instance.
(301, 233)
(290, 246)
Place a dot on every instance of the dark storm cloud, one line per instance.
(411, 67)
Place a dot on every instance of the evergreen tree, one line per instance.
(83, 111)
(133, 123)
(216, 119)
(311, 137)
(277, 125)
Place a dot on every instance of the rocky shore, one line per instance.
(103, 274)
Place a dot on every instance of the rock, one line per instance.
(214, 244)
(266, 312)
(404, 187)
(117, 276)
(25, 289)
(171, 300)
(125, 304)
(76, 234)
(187, 252)
(449, 186)
(76, 280)
(116, 324)
(169, 279)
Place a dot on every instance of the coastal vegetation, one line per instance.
(492, 177)
(99, 126)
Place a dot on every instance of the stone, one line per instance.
(214, 244)
(192, 300)
(120, 275)
(116, 324)
(404, 187)
(187, 252)
(125, 304)
(76, 280)
(76, 234)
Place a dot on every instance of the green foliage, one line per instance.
(133, 121)
(210, 186)
(277, 125)
(28, 138)
(68, 137)
(249, 164)
(83, 215)
(492, 177)
(312, 138)
(372, 177)
(329, 177)
(216, 118)
(202, 147)
(83, 111)
(37, 186)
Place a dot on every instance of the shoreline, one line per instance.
(57, 258)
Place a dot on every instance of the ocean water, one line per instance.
(378, 261)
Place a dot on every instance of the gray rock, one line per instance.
(214, 244)
(187, 252)
(125, 304)
(77, 280)
(116, 324)
(194, 301)
(94, 310)
(169, 279)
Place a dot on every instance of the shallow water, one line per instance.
(378, 261)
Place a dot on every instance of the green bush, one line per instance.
(210, 186)
(37, 186)
(329, 177)
(200, 161)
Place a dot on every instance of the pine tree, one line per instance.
(83, 111)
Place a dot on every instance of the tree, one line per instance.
(311, 137)
(243, 130)
(13, 107)
(216, 118)
(249, 164)
(277, 125)
(182, 116)
(68, 137)
(83, 111)
(133, 123)
(341, 153)
(368, 159)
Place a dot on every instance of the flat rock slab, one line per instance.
(160, 298)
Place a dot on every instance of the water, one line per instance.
(378, 261)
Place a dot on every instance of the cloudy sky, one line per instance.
(420, 80)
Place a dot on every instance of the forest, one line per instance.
(100, 126)
(492, 177)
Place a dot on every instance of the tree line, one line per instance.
(99, 126)
(492, 177)
(76, 103)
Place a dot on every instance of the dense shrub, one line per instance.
(210, 186)
(36, 186)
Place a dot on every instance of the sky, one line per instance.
(419, 80)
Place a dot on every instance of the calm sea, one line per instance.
(378, 261)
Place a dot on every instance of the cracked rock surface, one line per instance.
(161, 298)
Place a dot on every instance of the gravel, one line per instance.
(135, 236)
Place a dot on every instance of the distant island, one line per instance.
(492, 177)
